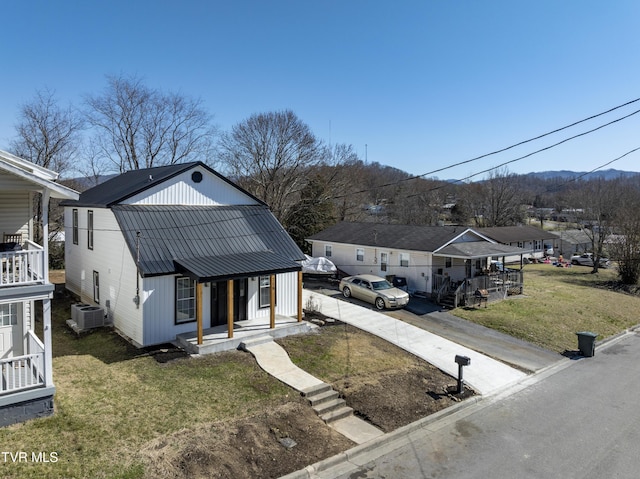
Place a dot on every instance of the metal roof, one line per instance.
(126, 185)
(164, 234)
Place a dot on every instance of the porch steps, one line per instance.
(448, 301)
(324, 400)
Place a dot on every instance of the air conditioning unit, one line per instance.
(90, 317)
(75, 311)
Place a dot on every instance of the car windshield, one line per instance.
(378, 285)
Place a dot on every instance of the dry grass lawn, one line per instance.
(557, 303)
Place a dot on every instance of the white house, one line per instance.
(427, 257)
(176, 249)
(26, 375)
(538, 241)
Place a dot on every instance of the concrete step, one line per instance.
(329, 406)
(315, 390)
(337, 414)
(322, 397)
(247, 343)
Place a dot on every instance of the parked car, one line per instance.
(375, 290)
(586, 259)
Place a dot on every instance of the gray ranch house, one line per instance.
(539, 242)
(26, 373)
(448, 263)
(174, 251)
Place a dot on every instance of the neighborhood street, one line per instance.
(577, 419)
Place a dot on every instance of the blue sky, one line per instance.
(418, 85)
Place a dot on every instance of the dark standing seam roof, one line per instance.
(209, 241)
(408, 237)
(132, 182)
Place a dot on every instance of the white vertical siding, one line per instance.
(286, 297)
(182, 190)
(112, 259)
(159, 299)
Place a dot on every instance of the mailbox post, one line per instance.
(462, 361)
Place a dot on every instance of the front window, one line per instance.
(8, 314)
(265, 291)
(327, 250)
(90, 229)
(404, 260)
(359, 254)
(74, 216)
(447, 262)
(185, 300)
(383, 261)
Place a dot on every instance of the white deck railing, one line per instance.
(23, 372)
(22, 267)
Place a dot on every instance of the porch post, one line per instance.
(272, 301)
(199, 311)
(229, 308)
(45, 232)
(48, 353)
(299, 296)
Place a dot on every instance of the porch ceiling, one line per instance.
(208, 268)
(479, 249)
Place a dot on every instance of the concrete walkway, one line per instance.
(272, 358)
(485, 375)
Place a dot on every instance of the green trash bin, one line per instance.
(587, 343)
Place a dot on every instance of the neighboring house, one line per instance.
(26, 382)
(569, 242)
(538, 241)
(175, 249)
(430, 258)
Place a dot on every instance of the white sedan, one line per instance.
(586, 259)
(375, 290)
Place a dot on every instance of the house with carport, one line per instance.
(26, 358)
(179, 252)
(435, 261)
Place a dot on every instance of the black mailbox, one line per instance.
(463, 360)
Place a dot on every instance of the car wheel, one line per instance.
(575, 262)
(379, 303)
(346, 292)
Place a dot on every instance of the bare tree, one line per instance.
(597, 204)
(139, 127)
(502, 201)
(625, 244)
(269, 154)
(47, 134)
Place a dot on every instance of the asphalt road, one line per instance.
(578, 419)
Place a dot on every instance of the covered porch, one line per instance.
(475, 278)
(228, 276)
(217, 339)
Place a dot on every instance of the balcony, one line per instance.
(24, 372)
(23, 267)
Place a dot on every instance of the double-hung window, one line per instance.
(185, 300)
(383, 261)
(327, 250)
(404, 260)
(265, 291)
(9, 314)
(360, 254)
(74, 226)
(90, 229)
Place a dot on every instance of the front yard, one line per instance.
(557, 303)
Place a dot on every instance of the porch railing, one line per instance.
(498, 285)
(26, 371)
(22, 267)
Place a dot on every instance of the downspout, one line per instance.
(136, 299)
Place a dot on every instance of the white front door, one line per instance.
(11, 343)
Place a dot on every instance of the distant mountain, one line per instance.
(609, 174)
